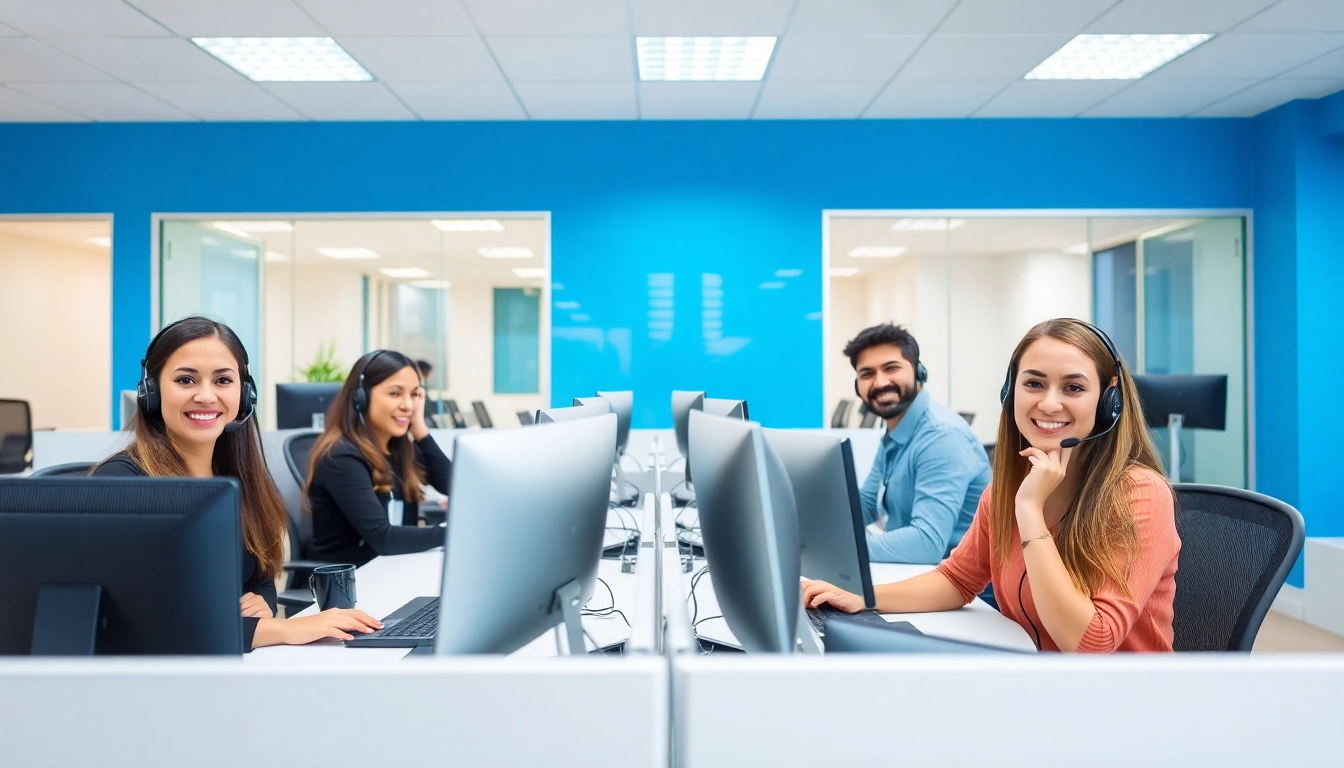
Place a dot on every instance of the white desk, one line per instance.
(976, 622)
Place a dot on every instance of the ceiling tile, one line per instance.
(9, 31)
(841, 58)
(1269, 95)
(147, 59)
(697, 101)
(815, 101)
(25, 60)
(1168, 98)
(424, 59)
(549, 17)
(868, 17)
(565, 58)
(1137, 17)
(78, 18)
(933, 99)
(1006, 17)
(1328, 66)
(232, 18)
(460, 101)
(426, 18)
(18, 107)
(1251, 54)
(341, 101)
(1049, 98)
(1299, 16)
(106, 102)
(712, 18)
(223, 101)
(578, 101)
(980, 57)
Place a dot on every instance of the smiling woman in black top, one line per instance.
(367, 468)
(194, 419)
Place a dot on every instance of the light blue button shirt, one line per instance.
(927, 477)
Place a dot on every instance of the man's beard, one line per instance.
(891, 410)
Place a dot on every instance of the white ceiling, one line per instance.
(129, 60)
(69, 233)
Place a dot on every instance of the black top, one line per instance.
(122, 465)
(350, 523)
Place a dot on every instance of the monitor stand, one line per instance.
(68, 619)
(569, 631)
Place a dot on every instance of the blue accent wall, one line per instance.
(631, 202)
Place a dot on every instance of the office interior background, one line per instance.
(505, 191)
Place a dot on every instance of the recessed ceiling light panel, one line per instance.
(926, 225)
(844, 271)
(468, 225)
(285, 59)
(105, 242)
(877, 251)
(405, 272)
(530, 272)
(247, 228)
(506, 252)
(1113, 57)
(347, 253)
(704, 58)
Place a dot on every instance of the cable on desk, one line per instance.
(609, 610)
(707, 618)
(695, 604)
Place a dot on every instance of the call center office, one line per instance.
(586, 220)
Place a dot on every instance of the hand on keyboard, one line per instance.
(334, 622)
(818, 593)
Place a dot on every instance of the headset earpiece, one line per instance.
(147, 391)
(921, 374)
(361, 397)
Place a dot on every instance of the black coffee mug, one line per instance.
(333, 586)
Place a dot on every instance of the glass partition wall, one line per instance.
(1171, 292)
(309, 296)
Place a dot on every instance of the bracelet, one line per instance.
(1045, 535)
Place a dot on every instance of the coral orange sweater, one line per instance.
(1118, 623)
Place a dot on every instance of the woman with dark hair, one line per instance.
(1077, 531)
(194, 419)
(367, 468)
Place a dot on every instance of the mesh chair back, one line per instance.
(1236, 549)
(526, 418)
(840, 419)
(16, 436)
(298, 450)
(73, 469)
(482, 415)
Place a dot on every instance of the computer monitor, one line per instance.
(623, 405)
(120, 566)
(749, 525)
(1201, 401)
(128, 407)
(522, 557)
(595, 407)
(682, 405)
(733, 409)
(304, 405)
(852, 637)
(830, 512)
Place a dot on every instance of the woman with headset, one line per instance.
(1077, 530)
(367, 468)
(194, 412)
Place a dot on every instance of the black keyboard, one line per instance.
(422, 623)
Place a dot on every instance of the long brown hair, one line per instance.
(238, 454)
(1098, 523)
(344, 422)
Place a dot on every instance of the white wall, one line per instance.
(471, 356)
(849, 303)
(56, 309)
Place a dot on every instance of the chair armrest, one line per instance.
(303, 565)
(295, 598)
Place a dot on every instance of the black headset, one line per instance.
(361, 398)
(1109, 406)
(921, 376)
(150, 403)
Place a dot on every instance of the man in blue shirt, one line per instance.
(930, 469)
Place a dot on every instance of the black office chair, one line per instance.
(989, 451)
(482, 415)
(869, 418)
(969, 417)
(298, 448)
(840, 419)
(526, 418)
(16, 436)
(73, 469)
(455, 418)
(1236, 549)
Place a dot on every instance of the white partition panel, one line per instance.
(1035, 712)
(482, 711)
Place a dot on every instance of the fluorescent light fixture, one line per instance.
(285, 59)
(1079, 249)
(1113, 57)
(926, 225)
(431, 284)
(772, 286)
(105, 242)
(405, 272)
(877, 251)
(468, 225)
(844, 271)
(530, 272)
(248, 228)
(274, 256)
(788, 272)
(703, 58)
(506, 252)
(347, 253)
